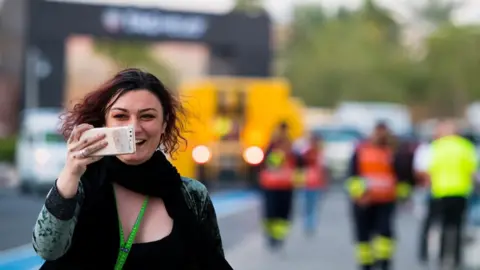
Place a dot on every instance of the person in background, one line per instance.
(474, 201)
(430, 216)
(130, 211)
(222, 125)
(374, 187)
(314, 181)
(452, 167)
(276, 181)
(405, 158)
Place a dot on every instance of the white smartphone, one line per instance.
(121, 140)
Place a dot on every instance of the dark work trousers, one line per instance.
(371, 221)
(451, 212)
(277, 212)
(431, 216)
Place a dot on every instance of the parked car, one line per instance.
(339, 144)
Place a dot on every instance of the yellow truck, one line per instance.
(230, 122)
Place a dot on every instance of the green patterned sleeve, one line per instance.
(199, 200)
(55, 224)
(209, 220)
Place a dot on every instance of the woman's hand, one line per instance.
(78, 158)
(79, 152)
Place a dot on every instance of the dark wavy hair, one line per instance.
(94, 106)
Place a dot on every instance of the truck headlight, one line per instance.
(253, 155)
(42, 156)
(201, 154)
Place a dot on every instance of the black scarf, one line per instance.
(156, 178)
(159, 178)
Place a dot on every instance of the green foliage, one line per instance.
(437, 12)
(248, 5)
(135, 54)
(358, 55)
(453, 61)
(345, 57)
(7, 149)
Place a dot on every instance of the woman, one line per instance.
(276, 180)
(89, 220)
(314, 174)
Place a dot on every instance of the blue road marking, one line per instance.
(28, 263)
(225, 203)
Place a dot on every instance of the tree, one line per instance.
(437, 82)
(381, 21)
(358, 55)
(344, 14)
(355, 57)
(135, 54)
(248, 5)
(308, 19)
(453, 61)
(437, 12)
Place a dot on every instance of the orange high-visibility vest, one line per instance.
(314, 172)
(279, 177)
(375, 166)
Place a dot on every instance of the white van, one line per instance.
(41, 150)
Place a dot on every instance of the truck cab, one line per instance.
(230, 123)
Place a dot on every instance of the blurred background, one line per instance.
(331, 67)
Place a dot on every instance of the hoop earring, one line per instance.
(159, 147)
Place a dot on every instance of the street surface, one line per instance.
(332, 248)
(238, 212)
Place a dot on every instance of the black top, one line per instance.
(82, 232)
(167, 252)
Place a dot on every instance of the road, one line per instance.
(238, 215)
(331, 247)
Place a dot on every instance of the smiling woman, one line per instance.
(131, 211)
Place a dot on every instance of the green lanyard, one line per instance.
(126, 246)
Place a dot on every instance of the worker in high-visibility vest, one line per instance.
(452, 167)
(374, 188)
(276, 181)
(312, 180)
(222, 126)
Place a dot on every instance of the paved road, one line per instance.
(17, 215)
(332, 247)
